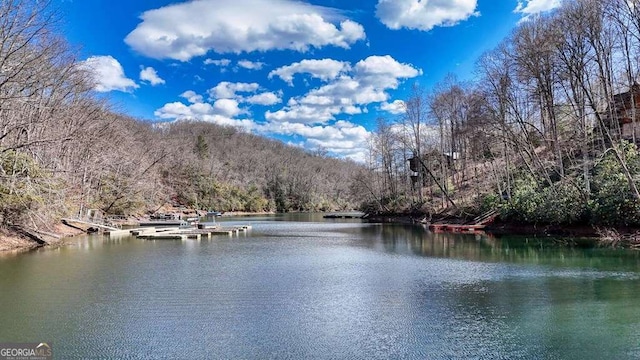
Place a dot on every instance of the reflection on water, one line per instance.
(418, 240)
(301, 287)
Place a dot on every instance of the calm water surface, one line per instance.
(300, 287)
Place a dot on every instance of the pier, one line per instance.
(180, 233)
(342, 216)
(477, 225)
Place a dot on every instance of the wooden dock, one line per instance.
(456, 228)
(342, 216)
(476, 225)
(174, 233)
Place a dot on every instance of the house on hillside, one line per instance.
(625, 113)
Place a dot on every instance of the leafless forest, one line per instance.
(545, 133)
(63, 151)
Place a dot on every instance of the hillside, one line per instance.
(545, 134)
(64, 152)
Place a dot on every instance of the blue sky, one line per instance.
(315, 73)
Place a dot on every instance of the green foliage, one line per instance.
(524, 202)
(489, 202)
(201, 148)
(22, 185)
(560, 203)
(612, 202)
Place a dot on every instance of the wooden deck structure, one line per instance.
(477, 225)
(342, 216)
(175, 233)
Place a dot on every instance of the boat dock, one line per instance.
(456, 228)
(180, 233)
(342, 216)
(477, 225)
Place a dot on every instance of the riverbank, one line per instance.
(12, 239)
(21, 239)
(627, 237)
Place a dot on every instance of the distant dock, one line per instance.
(180, 233)
(456, 228)
(342, 216)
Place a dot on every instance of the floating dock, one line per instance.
(342, 216)
(476, 226)
(180, 233)
(158, 223)
(456, 228)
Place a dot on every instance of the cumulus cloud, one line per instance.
(108, 74)
(350, 93)
(265, 99)
(396, 107)
(532, 7)
(251, 65)
(222, 111)
(229, 90)
(150, 75)
(191, 96)
(343, 138)
(186, 30)
(227, 107)
(324, 69)
(217, 62)
(424, 14)
(227, 101)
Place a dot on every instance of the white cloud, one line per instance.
(108, 74)
(222, 112)
(174, 110)
(217, 62)
(229, 90)
(186, 30)
(150, 75)
(342, 138)
(191, 96)
(531, 7)
(396, 107)
(324, 69)
(266, 99)
(424, 14)
(251, 65)
(350, 93)
(227, 107)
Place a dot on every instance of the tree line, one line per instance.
(63, 150)
(544, 133)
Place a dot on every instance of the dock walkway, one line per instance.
(174, 233)
(477, 225)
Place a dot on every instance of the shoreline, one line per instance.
(625, 237)
(14, 241)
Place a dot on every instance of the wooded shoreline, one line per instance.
(623, 237)
(546, 133)
(620, 237)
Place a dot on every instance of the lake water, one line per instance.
(299, 287)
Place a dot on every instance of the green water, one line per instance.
(299, 287)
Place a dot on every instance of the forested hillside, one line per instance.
(62, 150)
(545, 133)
